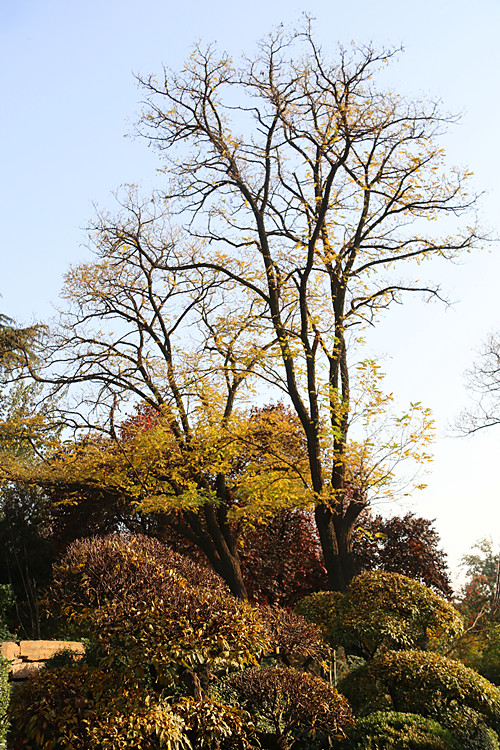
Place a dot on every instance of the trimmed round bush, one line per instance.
(383, 611)
(430, 685)
(296, 705)
(390, 730)
(155, 613)
(79, 707)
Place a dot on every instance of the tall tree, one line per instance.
(311, 187)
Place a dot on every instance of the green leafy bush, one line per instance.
(210, 723)
(6, 602)
(383, 611)
(294, 705)
(482, 651)
(489, 663)
(470, 729)
(390, 730)
(79, 706)
(4, 700)
(430, 685)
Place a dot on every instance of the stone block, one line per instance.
(10, 650)
(24, 669)
(42, 650)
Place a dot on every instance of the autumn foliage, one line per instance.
(296, 705)
(382, 611)
(403, 544)
(165, 634)
(281, 560)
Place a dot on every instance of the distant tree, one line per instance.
(403, 544)
(478, 603)
(484, 386)
(282, 560)
(482, 572)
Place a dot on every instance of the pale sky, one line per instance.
(68, 98)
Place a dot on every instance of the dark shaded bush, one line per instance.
(293, 705)
(481, 650)
(389, 730)
(210, 723)
(294, 641)
(26, 556)
(80, 707)
(6, 602)
(470, 729)
(382, 611)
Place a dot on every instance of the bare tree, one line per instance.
(484, 387)
(311, 188)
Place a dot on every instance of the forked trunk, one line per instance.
(335, 534)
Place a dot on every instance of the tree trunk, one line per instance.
(335, 534)
(218, 544)
(227, 565)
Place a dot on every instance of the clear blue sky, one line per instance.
(68, 98)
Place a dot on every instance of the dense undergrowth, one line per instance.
(175, 661)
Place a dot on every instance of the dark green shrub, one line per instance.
(470, 729)
(4, 700)
(6, 602)
(383, 611)
(426, 684)
(292, 705)
(482, 652)
(389, 730)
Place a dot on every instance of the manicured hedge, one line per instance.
(390, 730)
(382, 611)
(295, 704)
(432, 686)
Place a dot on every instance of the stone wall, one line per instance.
(26, 657)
